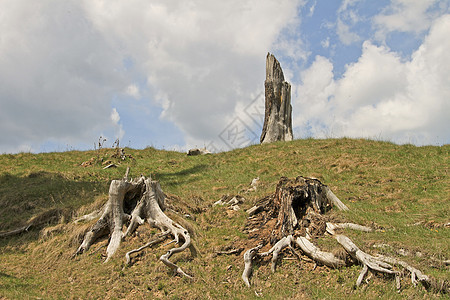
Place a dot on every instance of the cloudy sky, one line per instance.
(181, 74)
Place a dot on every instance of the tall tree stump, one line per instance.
(278, 110)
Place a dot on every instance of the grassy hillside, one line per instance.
(402, 190)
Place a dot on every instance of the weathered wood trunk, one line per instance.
(278, 110)
(133, 203)
(296, 202)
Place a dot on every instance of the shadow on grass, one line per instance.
(179, 177)
(42, 194)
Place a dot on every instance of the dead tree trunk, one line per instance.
(278, 110)
(294, 214)
(135, 202)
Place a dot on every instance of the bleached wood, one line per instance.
(249, 255)
(277, 248)
(149, 208)
(15, 231)
(331, 227)
(322, 257)
(334, 199)
(88, 217)
(112, 219)
(416, 275)
(367, 260)
(278, 110)
(159, 239)
(361, 276)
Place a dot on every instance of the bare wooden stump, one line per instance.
(278, 110)
(295, 213)
(136, 202)
(297, 206)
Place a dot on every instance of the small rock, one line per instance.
(198, 151)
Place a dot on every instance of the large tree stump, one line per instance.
(278, 110)
(296, 214)
(133, 202)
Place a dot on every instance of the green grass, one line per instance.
(387, 186)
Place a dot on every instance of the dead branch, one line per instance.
(46, 217)
(334, 199)
(161, 238)
(230, 252)
(15, 231)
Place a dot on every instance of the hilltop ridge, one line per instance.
(402, 190)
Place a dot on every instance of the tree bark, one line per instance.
(278, 110)
(295, 199)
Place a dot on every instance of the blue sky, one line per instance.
(176, 75)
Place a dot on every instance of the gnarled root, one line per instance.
(277, 248)
(159, 239)
(325, 258)
(416, 275)
(368, 261)
(331, 227)
(249, 255)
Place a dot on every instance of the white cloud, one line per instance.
(115, 118)
(133, 91)
(312, 8)
(62, 63)
(200, 57)
(346, 36)
(57, 75)
(346, 19)
(325, 43)
(381, 94)
(414, 16)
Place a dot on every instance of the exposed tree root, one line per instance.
(15, 231)
(294, 214)
(368, 261)
(331, 227)
(276, 249)
(324, 258)
(416, 275)
(135, 202)
(161, 238)
(249, 255)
